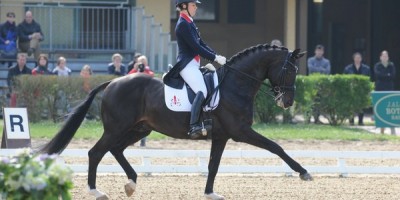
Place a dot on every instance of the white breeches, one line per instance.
(193, 77)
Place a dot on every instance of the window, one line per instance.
(240, 11)
(206, 11)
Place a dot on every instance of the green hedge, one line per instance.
(52, 97)
(337, 97)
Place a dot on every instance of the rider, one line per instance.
(191, 47)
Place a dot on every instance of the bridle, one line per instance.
(280, 89)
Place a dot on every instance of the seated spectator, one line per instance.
(86, 73)
(116, 67)
(357, 67)
(41, 68)
(61, 68)
(8, 39)
(30, 35)
(19, 69)
(141, 66)
(132, 63)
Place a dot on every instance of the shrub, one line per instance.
(34, 177)
(51, 97)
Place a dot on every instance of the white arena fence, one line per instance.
(148, 155)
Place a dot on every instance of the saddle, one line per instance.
(180, 100)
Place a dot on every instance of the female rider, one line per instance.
(191, 47)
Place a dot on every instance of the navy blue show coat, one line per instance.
(191, 46)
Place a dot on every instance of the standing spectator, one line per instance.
(141, 66)
(86, 73)
(61, 68)
(19, 69)
(41, 68)
(116, 67)
(132, 63)
(8, 39)
(30, 35)
(317, 63)
(384, 74)
(357, 67)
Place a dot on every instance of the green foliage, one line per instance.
(265, 106)
(34, 177)
(340, 96)
(337, 97)
(51, 97)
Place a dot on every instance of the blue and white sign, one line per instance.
(16, 123)
(386, 108)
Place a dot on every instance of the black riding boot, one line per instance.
(195, 126)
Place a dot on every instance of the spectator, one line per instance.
(384, 74)
(142, 66)
(132, 63)
(8, 39)
(41, 68)
(276, 42)
(19, 69)
(61, 68)
(318, 64)
(116, 67)
(30, 35)
(357, 67)
(86, 73)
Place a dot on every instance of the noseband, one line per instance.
(279, 89)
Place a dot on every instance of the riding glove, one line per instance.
(220, 59)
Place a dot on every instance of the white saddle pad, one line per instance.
(178, 100)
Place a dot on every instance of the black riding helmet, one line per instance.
(179, 4)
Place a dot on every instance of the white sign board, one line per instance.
(16, 123)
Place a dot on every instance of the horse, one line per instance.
(133, 106)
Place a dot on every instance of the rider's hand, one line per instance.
(220, 59)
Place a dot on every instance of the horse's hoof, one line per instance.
(104, 197)
(306, 177)
(214, 196)
(130, 188)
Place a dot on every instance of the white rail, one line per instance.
(147, 156)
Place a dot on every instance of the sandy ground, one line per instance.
(249, 186)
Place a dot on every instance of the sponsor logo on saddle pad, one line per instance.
(178, 100)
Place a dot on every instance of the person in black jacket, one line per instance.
(384, 75)
(19, 69)
(357, 67)
(30, 35)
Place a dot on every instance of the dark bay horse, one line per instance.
(133, 106)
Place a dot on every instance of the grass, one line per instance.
(94, 130)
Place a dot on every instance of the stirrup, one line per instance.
(197, 131)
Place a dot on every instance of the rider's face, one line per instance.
(192, 8)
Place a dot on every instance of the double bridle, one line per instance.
(279, 89)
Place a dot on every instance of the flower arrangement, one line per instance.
(34, 177)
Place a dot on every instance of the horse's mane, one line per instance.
(253, 49)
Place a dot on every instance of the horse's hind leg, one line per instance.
(117, 152)
(95, 155)
(254, 138)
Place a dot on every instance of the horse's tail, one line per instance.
(71, 125)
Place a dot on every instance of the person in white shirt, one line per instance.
(61, 68)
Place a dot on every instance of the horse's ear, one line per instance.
(297, 54)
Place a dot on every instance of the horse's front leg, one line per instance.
(217, 148)
(250, 136)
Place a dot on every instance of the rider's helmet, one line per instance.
(178, 2)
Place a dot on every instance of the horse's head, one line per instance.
(283, 77)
